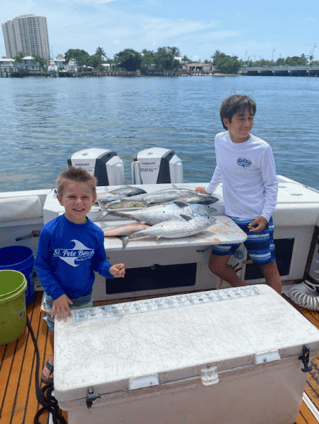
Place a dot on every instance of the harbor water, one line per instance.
(45, 120)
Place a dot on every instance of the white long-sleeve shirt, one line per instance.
(247, 171)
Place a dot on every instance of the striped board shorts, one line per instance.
(79, 303)
(260, 246)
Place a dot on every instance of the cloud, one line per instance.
(146, 32)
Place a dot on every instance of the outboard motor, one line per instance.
(104, 164)
(157, 166)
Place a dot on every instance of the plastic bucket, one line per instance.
(19, 258)
(12, 305)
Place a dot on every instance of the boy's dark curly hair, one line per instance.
(234, 104)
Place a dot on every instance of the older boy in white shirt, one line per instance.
(245, 166)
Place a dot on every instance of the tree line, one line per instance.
(164, 60)
(130, 60)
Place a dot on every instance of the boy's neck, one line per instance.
(238, 140)
(75, 222)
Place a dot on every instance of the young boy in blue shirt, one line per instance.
(245, 166)
(70, 249)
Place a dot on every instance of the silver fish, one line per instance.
(159, 196)
(127, 191)
(174, 229)
(203, 199)
(165, 212)
(119, 193)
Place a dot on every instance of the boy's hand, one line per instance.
(258, 224)
(61, 307)
(118, 270)
(201, 190)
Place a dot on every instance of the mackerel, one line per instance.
(160, 213)
(174, 229)
(119, 193)
(165, 196)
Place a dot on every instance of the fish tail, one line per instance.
(124, 240)
(103, 207)
(100, 217)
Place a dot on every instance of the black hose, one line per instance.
(44, 394)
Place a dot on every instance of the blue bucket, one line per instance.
(20, 258)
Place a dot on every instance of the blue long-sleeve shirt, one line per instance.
(67, 256)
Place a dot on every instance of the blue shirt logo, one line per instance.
(243, 162)
(76, 255)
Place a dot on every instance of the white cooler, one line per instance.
(224, 356)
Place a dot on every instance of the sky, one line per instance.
(249, 30)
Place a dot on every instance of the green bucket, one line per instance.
(12, 305)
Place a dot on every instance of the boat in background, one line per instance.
(53, 68)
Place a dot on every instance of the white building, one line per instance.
(27, 34)
(6, 65)
(29, 62)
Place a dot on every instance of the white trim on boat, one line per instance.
(311, 406)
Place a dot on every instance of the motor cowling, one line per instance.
(104, 164)
(159, 165)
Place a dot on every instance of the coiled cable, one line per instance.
(44, 394)
(305, 295)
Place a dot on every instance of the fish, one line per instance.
(124, 203)
(128, 191)
(119, 193)
(124, 230)
(202, 199)
(173, 229)
(165, 212)
(164, 196)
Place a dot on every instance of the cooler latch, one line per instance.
(305, 359)
(265, 357)
(209, 376)
(143, 382)
(91, 397)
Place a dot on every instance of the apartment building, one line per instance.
(27, 34)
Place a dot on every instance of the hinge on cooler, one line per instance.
(305, 359)
(209, 376)
(91, 397)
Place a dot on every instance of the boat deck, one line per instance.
(18, 401)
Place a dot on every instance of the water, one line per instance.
(45, 120)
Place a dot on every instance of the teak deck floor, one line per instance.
(18, 402)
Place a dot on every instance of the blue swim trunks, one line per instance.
(79, 303)
(260, 246)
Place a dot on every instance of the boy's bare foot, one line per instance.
(47, 373)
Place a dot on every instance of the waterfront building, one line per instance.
(27, 34)
(29, 62)
(6, 66)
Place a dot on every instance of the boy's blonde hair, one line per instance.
(78, 175)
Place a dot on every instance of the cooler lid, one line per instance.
(113, 347)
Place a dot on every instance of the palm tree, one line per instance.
(18, 58)
(101, 53)
(217, 54)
